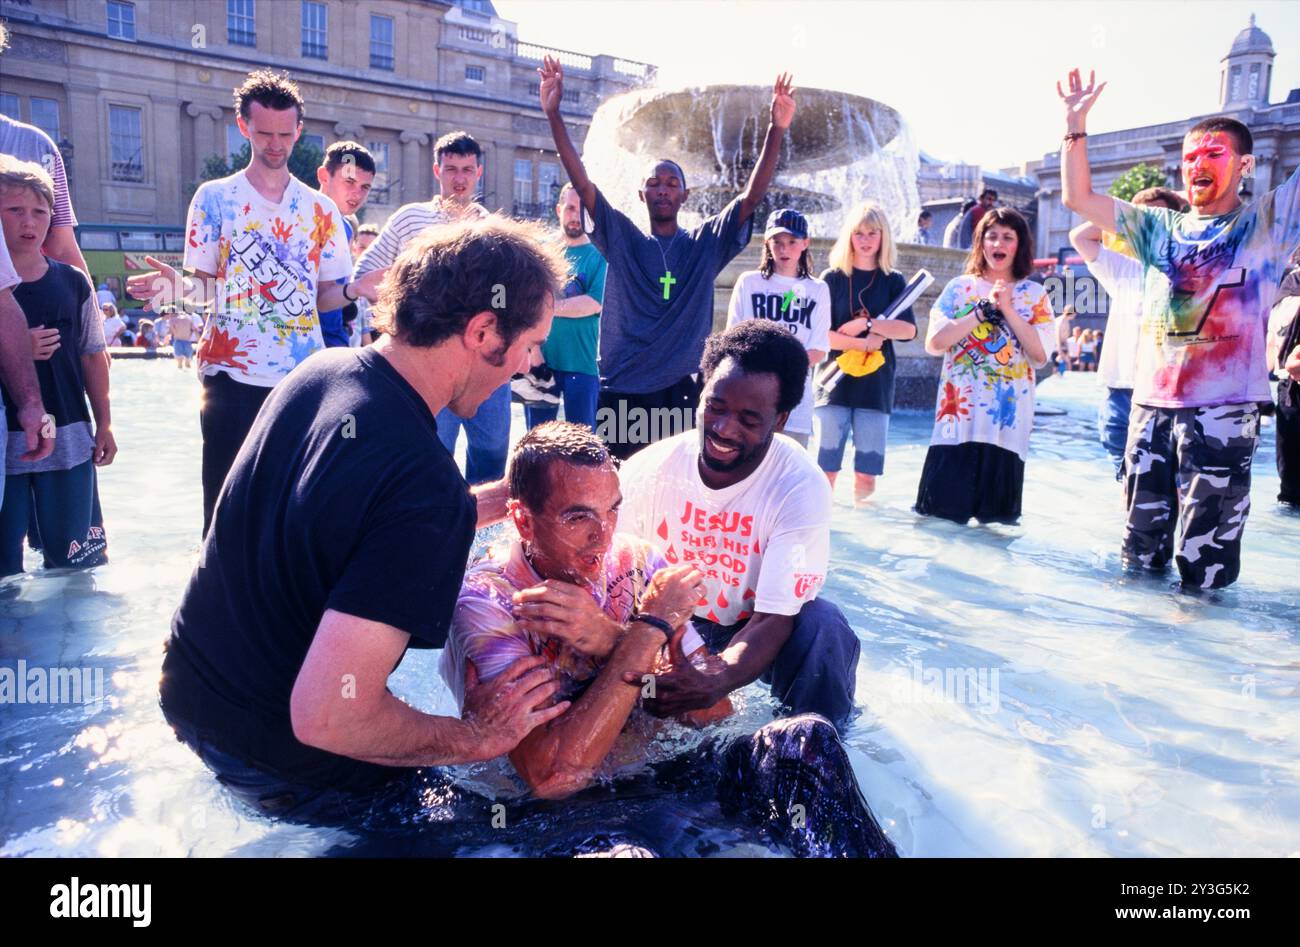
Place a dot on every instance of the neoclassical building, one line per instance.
(1245, 75)
(138, 92)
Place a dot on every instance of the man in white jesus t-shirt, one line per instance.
(747, 506)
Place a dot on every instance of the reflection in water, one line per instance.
(1021, 696)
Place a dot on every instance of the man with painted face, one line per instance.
(747, 505)
(1202, 372)
(658, 305)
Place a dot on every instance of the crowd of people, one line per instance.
(647, 569)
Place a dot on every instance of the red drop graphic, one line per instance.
(756, 549)
(712, 617)
(663, 529)
(671, 555)
(749, 593)
(722, 599)
(743, 615)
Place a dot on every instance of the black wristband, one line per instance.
(654, 622)
(350, 299)
(1074, 136)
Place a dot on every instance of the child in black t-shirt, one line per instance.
(59, 489)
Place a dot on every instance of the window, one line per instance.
(126, 143)
(121, 20)
(234, 141)
(549, 181)
(379, 188)
(475, 73)
(315, 24)
(523, 181)
(9, 105)
(1253, 89)
(571, 96)
(317, 140)
(45, 116)
(241, 25)
(381, 42)
(481, 7)
(1234, 84)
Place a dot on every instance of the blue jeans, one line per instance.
(1112, 425)
(870, 430)
(579, 390)
(816, 670)
(63, 501)
(488, 433)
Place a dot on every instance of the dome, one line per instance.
(1251, 40)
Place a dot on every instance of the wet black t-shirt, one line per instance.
(872, 291)
(342, 498)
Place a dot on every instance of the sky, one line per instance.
(976, 81)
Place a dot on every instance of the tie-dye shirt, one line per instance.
(268, 260)
(1210, 284)
(986, 390)
(484, 631)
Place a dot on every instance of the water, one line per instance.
(1118, 716)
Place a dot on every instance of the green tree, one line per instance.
(1136, 179)
(303, 162)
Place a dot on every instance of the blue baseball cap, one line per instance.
(786, 220)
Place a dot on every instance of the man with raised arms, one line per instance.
(1211, 277)
(658, 305)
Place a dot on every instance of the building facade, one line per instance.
(137, 93)
(1245, 75)
(944, 185)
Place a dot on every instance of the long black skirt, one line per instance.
(977, 480)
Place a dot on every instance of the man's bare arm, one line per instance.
(1086, 238)
(18, 372)
(551, 93)
(1076, 176)
(577, 307)
(61, 244)
(341, 702)
(782, 115)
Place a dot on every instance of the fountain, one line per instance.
(840, 149)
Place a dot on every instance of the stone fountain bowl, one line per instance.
(716, 132)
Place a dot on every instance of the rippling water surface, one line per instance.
(1021, 696)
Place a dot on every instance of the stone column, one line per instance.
(205, 133)
(347, 131)
(412, 142)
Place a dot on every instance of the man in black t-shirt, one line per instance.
(307, 594)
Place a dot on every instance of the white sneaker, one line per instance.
(530, 389)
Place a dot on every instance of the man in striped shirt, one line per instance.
(457, 168)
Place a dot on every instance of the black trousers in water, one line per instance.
(960, 481)
(629, 422)
(227, 415)
(1288, 441)
(816, 671)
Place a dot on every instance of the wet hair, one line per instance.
(767, 266)
(669, 161)
(759, 347)
(1162, 196)
(341, 152)
(27, 174)
(866, 214)
(1241, 135)
(449, 274)
(1023, 264)
(528, 477)
(457, 143)
(270, 90)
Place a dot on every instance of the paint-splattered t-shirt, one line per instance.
(986, 390)
(268, 260)
(484, 631)
(1210, 284)
(763, 544)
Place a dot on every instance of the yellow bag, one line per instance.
(856, 364)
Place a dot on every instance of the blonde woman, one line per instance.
(862, 282)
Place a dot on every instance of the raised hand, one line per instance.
(504, 710)
(557, 609)
(1079, 99)
(161, 287)
(551, 88)
(783, 101)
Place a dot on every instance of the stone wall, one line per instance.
(918, 373)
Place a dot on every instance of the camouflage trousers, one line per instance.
(1189, 468)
